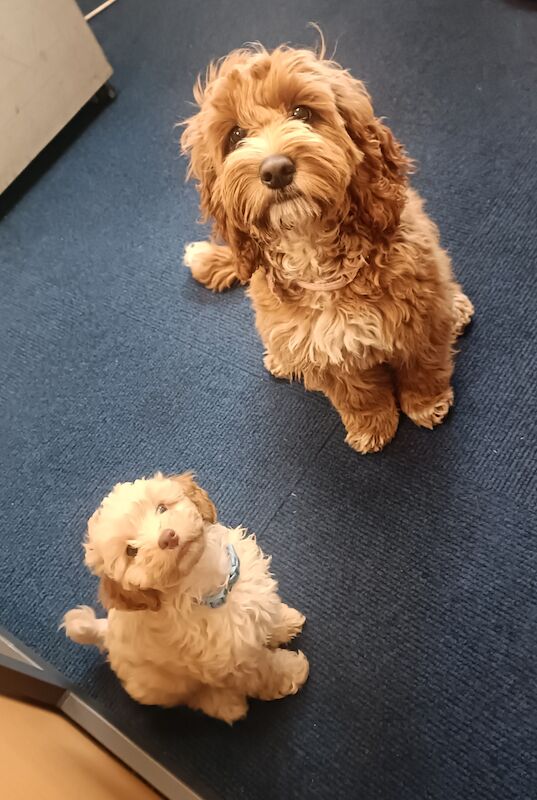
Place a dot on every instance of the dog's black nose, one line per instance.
(277, 171)
(168, 539)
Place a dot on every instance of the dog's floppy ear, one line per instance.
(245, 252)
(197, 495)
(200, 166)
(380, 179)
(195, 145)
(113, 595)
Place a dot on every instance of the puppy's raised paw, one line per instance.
(82, 626)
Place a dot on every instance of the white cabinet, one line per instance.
(50, 66)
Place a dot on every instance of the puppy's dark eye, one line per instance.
(131, 551)
(161, 508)
(302, 113)
(236, 136)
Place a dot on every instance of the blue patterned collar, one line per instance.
(219, 598)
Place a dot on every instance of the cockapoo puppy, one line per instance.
(353, 293)
(194, 615)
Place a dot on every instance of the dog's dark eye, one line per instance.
(161, 508)
(236, 136)
(302, 113)
(131, 551)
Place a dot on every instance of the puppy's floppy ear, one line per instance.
(380, 179)
(93, 559)
(197, 495)
(113, 595)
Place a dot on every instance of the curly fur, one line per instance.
(167, 648)
(382, 337)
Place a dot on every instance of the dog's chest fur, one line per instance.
(299, 256)
(315, 328)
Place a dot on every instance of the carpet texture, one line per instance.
(416, 567)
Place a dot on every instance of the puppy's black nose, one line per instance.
(168, 539)
(276, 172)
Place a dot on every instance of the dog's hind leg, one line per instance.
(82, 626)
(211, 264)
(464, 309)
(288, 624)
(276, 369)
(225, 704)
(278, 673)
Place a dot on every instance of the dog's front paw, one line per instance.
(369, 433)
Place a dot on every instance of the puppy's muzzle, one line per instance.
(277, 171)
(168, 540)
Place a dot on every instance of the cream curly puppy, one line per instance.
(194, 615)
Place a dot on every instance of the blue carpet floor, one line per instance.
(417, 567)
